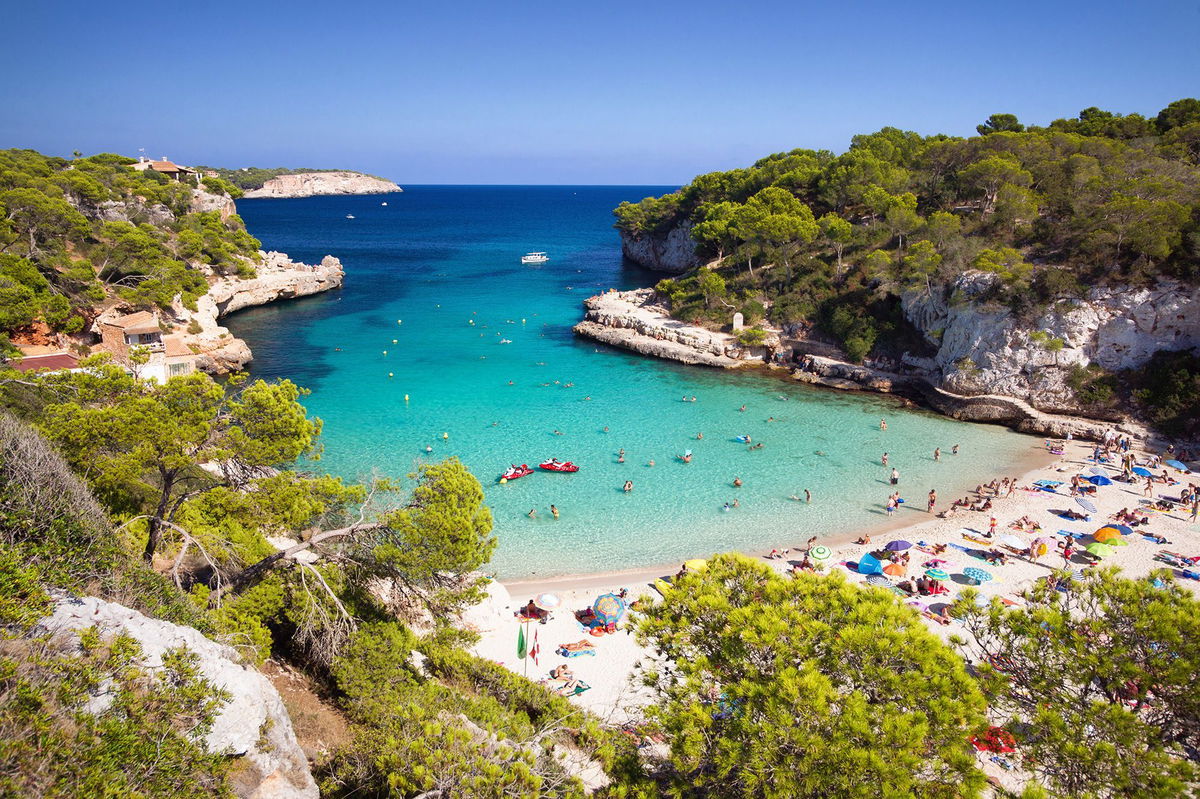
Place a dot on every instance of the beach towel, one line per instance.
(574, 653)
(1048, 483)
(1069, 534)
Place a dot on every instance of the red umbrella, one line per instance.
(996, 739)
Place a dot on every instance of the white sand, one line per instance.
(615, 694)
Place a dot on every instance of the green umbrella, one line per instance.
(1100, 550)
(937, 574)
(820, 553)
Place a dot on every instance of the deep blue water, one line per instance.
(434, 283)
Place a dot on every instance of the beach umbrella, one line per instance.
(1106, 534)
(1123, 529)
(609, 608)
(978, 575)
(879, 580)
(937, 574)
(894, 569)
(1099, 480)
(1098, 470)
(1099, 550)
(696, 564)
(547, 601)
(1141, 471)
(1086, 504)
(1013, 541)
(1177, 465)
(1117, 542)
(898, 546)
(820, 553)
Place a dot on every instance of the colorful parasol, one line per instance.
(937, 574)
(820, 553)
(547, 601)
(609, 608)
(978, 575)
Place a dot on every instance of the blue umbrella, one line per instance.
(1085, 504)
(1177, 465)
(1099, 480)
(978, 575)
(898, 545)
(1141, 471)
(609, 608)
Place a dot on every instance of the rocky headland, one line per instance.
(988, 367)
(311, 184)
(673, 252)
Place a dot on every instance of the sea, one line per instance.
(442, 343)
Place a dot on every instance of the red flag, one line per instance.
(533, 653)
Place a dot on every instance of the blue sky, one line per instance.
(564, 92)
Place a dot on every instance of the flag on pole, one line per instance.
(521, 641)
(533, 653)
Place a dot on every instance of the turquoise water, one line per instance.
(435, 260)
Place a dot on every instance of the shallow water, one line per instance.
(434, 283)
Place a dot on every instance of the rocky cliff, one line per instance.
(983, 348)
(278, 278)
(253, 726)
(674, 252)
(309, 184)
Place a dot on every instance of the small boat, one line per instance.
(555, 465)
(505, 341)
(349, 216)
(383, 203)
(535, 258)
(514, 471)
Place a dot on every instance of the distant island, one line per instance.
(282, 182)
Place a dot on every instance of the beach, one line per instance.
(611, 673)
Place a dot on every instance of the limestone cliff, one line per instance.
(278, 278)
(309, 184)
(674, 252)
(253, 726)
(984, 348)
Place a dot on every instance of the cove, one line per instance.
(434, 284)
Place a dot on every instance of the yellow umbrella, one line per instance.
(696, 564)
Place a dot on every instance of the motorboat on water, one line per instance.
(514, 471)
(555, 465)
(535, 258)
(505, 341)
(349, 216)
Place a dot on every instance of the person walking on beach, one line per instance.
(937, 454)
(992, 528)
(895, 476)
(932, 500)
(1149, 490)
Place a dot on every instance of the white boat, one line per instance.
(349, 216)
(383, 203)
(535, 258)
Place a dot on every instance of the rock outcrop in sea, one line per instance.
(253, 726)
(310, 184)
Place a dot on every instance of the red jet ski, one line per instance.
(555, 465)
(514, 471)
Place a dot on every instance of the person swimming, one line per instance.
(737, 482)
(628, 486)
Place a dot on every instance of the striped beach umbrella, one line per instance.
(547, 601)
(937, 574)
(879, 580)
(820, 553)
(1086, 504)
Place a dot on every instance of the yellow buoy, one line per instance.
(399, 321)
(395, 341)
(406, 398)
(503, 480)
(445, 436)
(385, 352)
(389, 374)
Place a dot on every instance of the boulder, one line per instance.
(253, 726)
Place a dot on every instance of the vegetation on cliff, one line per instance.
(832, 241)
(74, 232)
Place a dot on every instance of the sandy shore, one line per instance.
(615, 694)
